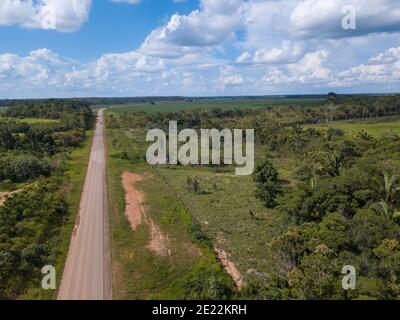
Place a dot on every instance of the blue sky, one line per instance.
(70, 48)
(112, 27)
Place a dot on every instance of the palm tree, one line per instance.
(311, 132)
(385, 210)
(298, 130)
(362, 135)
(332, 163)
(388, 188)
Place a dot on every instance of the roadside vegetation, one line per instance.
(325, 194)
(39, 144)
(188, 269)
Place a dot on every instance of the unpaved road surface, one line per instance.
(87, 273)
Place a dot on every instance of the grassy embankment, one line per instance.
(191, 267)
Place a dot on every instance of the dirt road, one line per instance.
(87, 273)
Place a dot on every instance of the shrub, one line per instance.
(269, 186)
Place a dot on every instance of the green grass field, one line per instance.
(224, 104)
(223, 210)
(37, 120)
(376, 128)
(32, 120)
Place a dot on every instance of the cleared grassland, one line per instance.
(376, 128)
(37, 120)
(229, 213)
(224, 104)
(32, 120)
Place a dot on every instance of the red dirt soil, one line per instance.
(230, 268)
(133, 199)
(136, 213)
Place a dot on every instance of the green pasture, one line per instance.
(211, 104)
(376, 128)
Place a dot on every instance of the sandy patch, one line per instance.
(230, 268)
(4, 195)
(133, 199)
(159, 242)
(136, 213)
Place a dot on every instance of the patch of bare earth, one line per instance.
(136, 213)
(133, 199)
(4, 195)
(230, 268)
(159, 242)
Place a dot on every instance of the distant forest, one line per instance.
(95, 101)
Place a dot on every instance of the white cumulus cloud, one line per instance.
(61, 15)
(323, 19)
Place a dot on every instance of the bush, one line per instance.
(269, 186)
(207, 283)
(334, 132)
(30, 223)
(304, 173)
(24, 168)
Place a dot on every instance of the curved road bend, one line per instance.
(87, 273)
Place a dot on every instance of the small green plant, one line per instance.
(194, 184)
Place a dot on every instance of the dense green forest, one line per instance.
(335, 193)
(333, 109)
(32, 167)
(344, 209)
